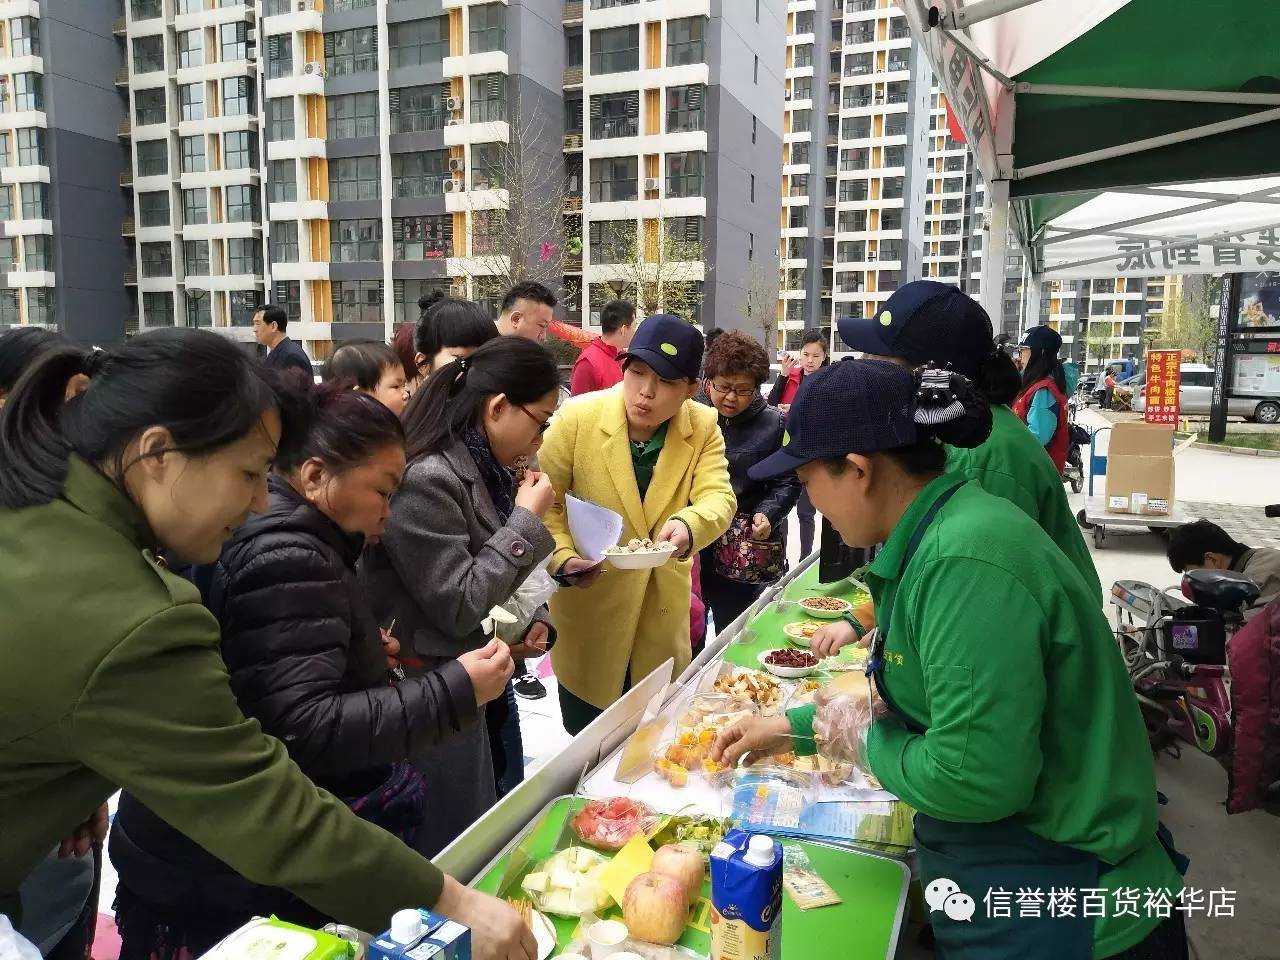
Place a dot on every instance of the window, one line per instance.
(799, 185)
(685, 174)
(153, 209)
(289, 295)
(754, 124)
(488, 27)
(145, 9)
(240, 148)
(28, 92)
(487, 167)
(852, 191)
(234, 38)
(354, 241)
(351, 51)
(891, 189)
(279, 56)
(573, 114)
(195, 258)
(894, 157)
(612, 241)
(280, 119)
(755, 70)
(757, 11)
(417, 109)
(199, 309)
(157, 309)
(40, 302)
(804, 20)
(357, 301)
(422, 238)
(353, 115)
(802, 88)
(24, 37)
(573, 48)
(799, 217)
(852, 221)
(753, 188)
(614, 178)
(418, 174)
(353, 178)
(684, 108)
(616, 50)
(244, 256)
(242, 204)
(284, 241)
(4, 148)
(243, 305)
(195, 207)
(6, 203)
(35, 201)
(191, 101)
(686, 229)
(610, 4)
(419, 42)
(488, 98)
(342, 6)
(800, 121)
(238, 98)
(8, 255)
(489, 233)
(31, 148)
(800, 153)
(192, 154)
(9, 312)
(891, 219)
(188, 6)
(284, 181)
(803, 55)
(157, 259)
(37, 252)
(148, 54)
(615, 115)
(855, 128)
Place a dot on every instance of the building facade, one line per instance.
(61, 259)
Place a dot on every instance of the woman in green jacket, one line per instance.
(1002, 713)
(112, 674)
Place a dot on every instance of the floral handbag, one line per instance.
(744, 560)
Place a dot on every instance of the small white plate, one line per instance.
(786, 673)
(792, 632)
(845, 607)
(544, 932)
(642, 560)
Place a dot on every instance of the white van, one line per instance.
(1196, 397)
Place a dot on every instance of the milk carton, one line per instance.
(421, 935)
(746, 897)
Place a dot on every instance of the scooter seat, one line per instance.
(1222, 590)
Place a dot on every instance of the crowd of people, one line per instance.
(226, 586)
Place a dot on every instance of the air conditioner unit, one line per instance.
(455, 122)
(302, 6)
(453, 104)
(457, 165)
(251, 35)
(453, 185)
(651, 183)
(314, 69)
(251, 55)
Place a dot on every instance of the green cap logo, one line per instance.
(669, 349)
(786, 437)
(886, 318)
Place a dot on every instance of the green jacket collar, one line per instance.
(89, 491)
(891, 558)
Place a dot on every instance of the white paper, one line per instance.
(594, 528)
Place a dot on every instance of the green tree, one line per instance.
(1186, 325)
(663, 274)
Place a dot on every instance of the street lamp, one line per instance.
(618, 287)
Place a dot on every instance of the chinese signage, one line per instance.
(1164, 379)
(1229, 253)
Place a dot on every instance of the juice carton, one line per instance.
(746, 897)
(421, 935)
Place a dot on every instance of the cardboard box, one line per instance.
(1140, 475)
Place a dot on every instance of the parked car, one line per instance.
(1196, 397)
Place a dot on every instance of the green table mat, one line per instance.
(864, 926)
(764, 632)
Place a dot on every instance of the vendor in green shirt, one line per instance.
(1002, 712)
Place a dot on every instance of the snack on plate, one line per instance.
(569, 884)
(609, 824)
(760, 688)
(637, 545)
(676, 759)
(715, 711)
(802, 632)
(803, 694)
(828, 771)
(826, 608)
(791, 658)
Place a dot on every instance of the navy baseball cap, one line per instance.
(854, 406)
(669, 344)
(1043, 338)
(925, 322)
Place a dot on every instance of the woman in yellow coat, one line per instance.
(646, 450)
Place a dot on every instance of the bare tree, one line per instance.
(763, 287)
(662, 272)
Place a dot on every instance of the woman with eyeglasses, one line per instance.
(462, 537)
(753, 552)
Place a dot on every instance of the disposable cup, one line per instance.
(606, 938)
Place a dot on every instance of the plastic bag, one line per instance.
(841, 727)
(610, 824)
(14, 946)
(525, 603)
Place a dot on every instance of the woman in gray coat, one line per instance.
(463, 536)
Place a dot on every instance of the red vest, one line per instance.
(1057, 447)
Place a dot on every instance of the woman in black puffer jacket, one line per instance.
(734, 369)
(308, 660)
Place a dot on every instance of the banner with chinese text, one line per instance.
(1164, 380)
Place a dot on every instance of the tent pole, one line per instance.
(1150, 143)
(1031, 283)
(1148, 93)
(994, 245)
(972, 13)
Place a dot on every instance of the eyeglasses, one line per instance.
(731, 391)
(542, 424)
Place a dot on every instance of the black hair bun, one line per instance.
(950, 408)
(430, 299)
(94, 362)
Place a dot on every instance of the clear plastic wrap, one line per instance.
(609, 824)
(568, 883)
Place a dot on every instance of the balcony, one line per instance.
(131, 277)
(128, 228)
(122, 77)
(125, 130)
(572, 77)
(119, 27)
(572, 142)
(572, 204)
(126, 179)
(572, 11)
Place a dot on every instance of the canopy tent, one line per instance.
(1061, 100)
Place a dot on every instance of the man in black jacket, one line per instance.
(269, 325)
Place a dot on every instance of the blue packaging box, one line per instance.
(441, 939)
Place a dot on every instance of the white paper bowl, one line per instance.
(846, 606)
(643, 560)
(786, 673)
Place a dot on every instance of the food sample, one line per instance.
(637, 545)
(803, 695)
(825, 604)
(759, 688)
(690, 751)
(674, 773)
(803, 631)
(824, 769)
(609, 824)
(796, 659)
(715, 712)
(701, 833)
(656, 908)
(568, 883)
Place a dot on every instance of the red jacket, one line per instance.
(597, 368)
(1058, 446)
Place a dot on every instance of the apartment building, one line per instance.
(885, 194)
(61, 259)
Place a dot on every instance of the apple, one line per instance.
(683, 863)
(656, 908)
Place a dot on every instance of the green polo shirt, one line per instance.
(644, 458)
(1013, 464)
(1001, 652)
